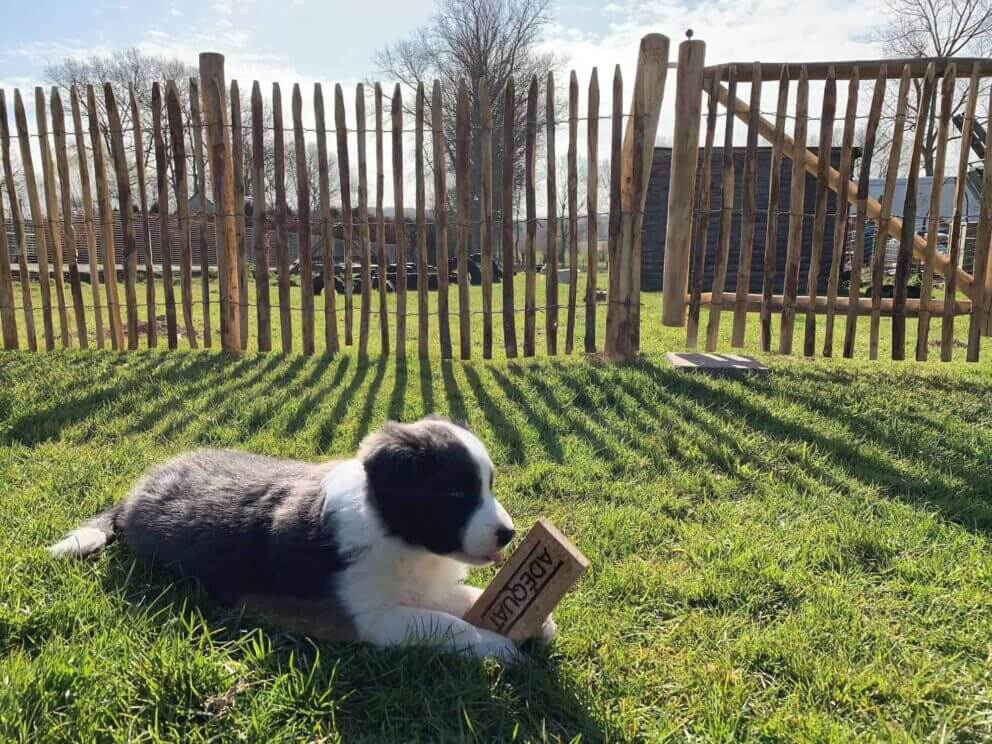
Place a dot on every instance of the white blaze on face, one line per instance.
(479, 541)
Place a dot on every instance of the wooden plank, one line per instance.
(281, 224)
(530, 272)
(303, 223)
(796, 207)
(869, 68)
(861, 200)
(551, 226)
(573, 198)
(933, 216)
(396, 110)
(263, 313)
(380, 223)
(88, 219)
(177, 139)
(486, 226)
(8, 319)
(344, 176)
(17, 218)
(165, 244)
(909, 222)
(238, 164)
(423, 341)
(200, 188)
(326, 224)
(843, 208)
(980, 313)
(592, 210)
(820, 305)
(463, 196)
(771, 220)
(891, 173)
(616, 171)
(146, 234)
(749, 209)
(824, 150)
(957, 225)
(125, 208)
(726, 214)
(440, 217)
(52, 213)
(363, 223)
(701, 230)
(65, 189)
(508, 168)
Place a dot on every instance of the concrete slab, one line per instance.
(716, 365)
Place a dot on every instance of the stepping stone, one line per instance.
(716, 365)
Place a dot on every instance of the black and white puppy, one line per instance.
(374, 548)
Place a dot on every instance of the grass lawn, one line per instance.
(802, 557)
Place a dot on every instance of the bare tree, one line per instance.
(933, 28)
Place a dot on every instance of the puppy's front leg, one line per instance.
(410, 626)
(455, 599)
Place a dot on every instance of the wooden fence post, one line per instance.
(623, 316)
(213, 89)
(678, 235)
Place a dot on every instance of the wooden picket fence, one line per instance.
(215, 112)
(686, 254)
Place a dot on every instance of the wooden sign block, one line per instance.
(535, 578)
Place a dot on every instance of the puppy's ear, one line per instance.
(397, 455)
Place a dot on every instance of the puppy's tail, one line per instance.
(90, 537)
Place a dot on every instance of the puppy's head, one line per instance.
(431, 483)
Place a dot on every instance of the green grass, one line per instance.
(802, 557)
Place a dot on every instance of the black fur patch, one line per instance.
(423, 483)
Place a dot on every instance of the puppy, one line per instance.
(373, 549)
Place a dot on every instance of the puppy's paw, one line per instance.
(548, 631)
(496, 646)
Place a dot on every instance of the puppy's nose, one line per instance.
(504, 535)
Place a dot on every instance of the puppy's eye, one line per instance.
(459, 495)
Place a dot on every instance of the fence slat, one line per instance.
(909, 223)
(508, 167)
(7, 318)
(530, 283)
(486, 226)
(52, 213)
(796, 202)
(380, 222)
(125, 204)
(151, 330)
(771, 223)
(726, 214)
(616, 173)
(824, 150)
(858, 256)
(281, 226)
(423, 341)
(891, 173)
(263, 313)
(463, 196)
(956, 237)
(363, 223)
(933, 216)
(749, 199)
(303, 223)
(238, 165)
(573, 198)
(843, 208)
(980, 314)
(592, 210)
(326, 225)
(177, 139)
(200, 188)
(396, 111)
(37, 220)
(62, 166)
(701, 230)
(551, 225)
(344, 176)
(440, 217)
(27, 302)
(162, 183)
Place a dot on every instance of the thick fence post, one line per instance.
(678, 235)
(623, 315)
(213, 91)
